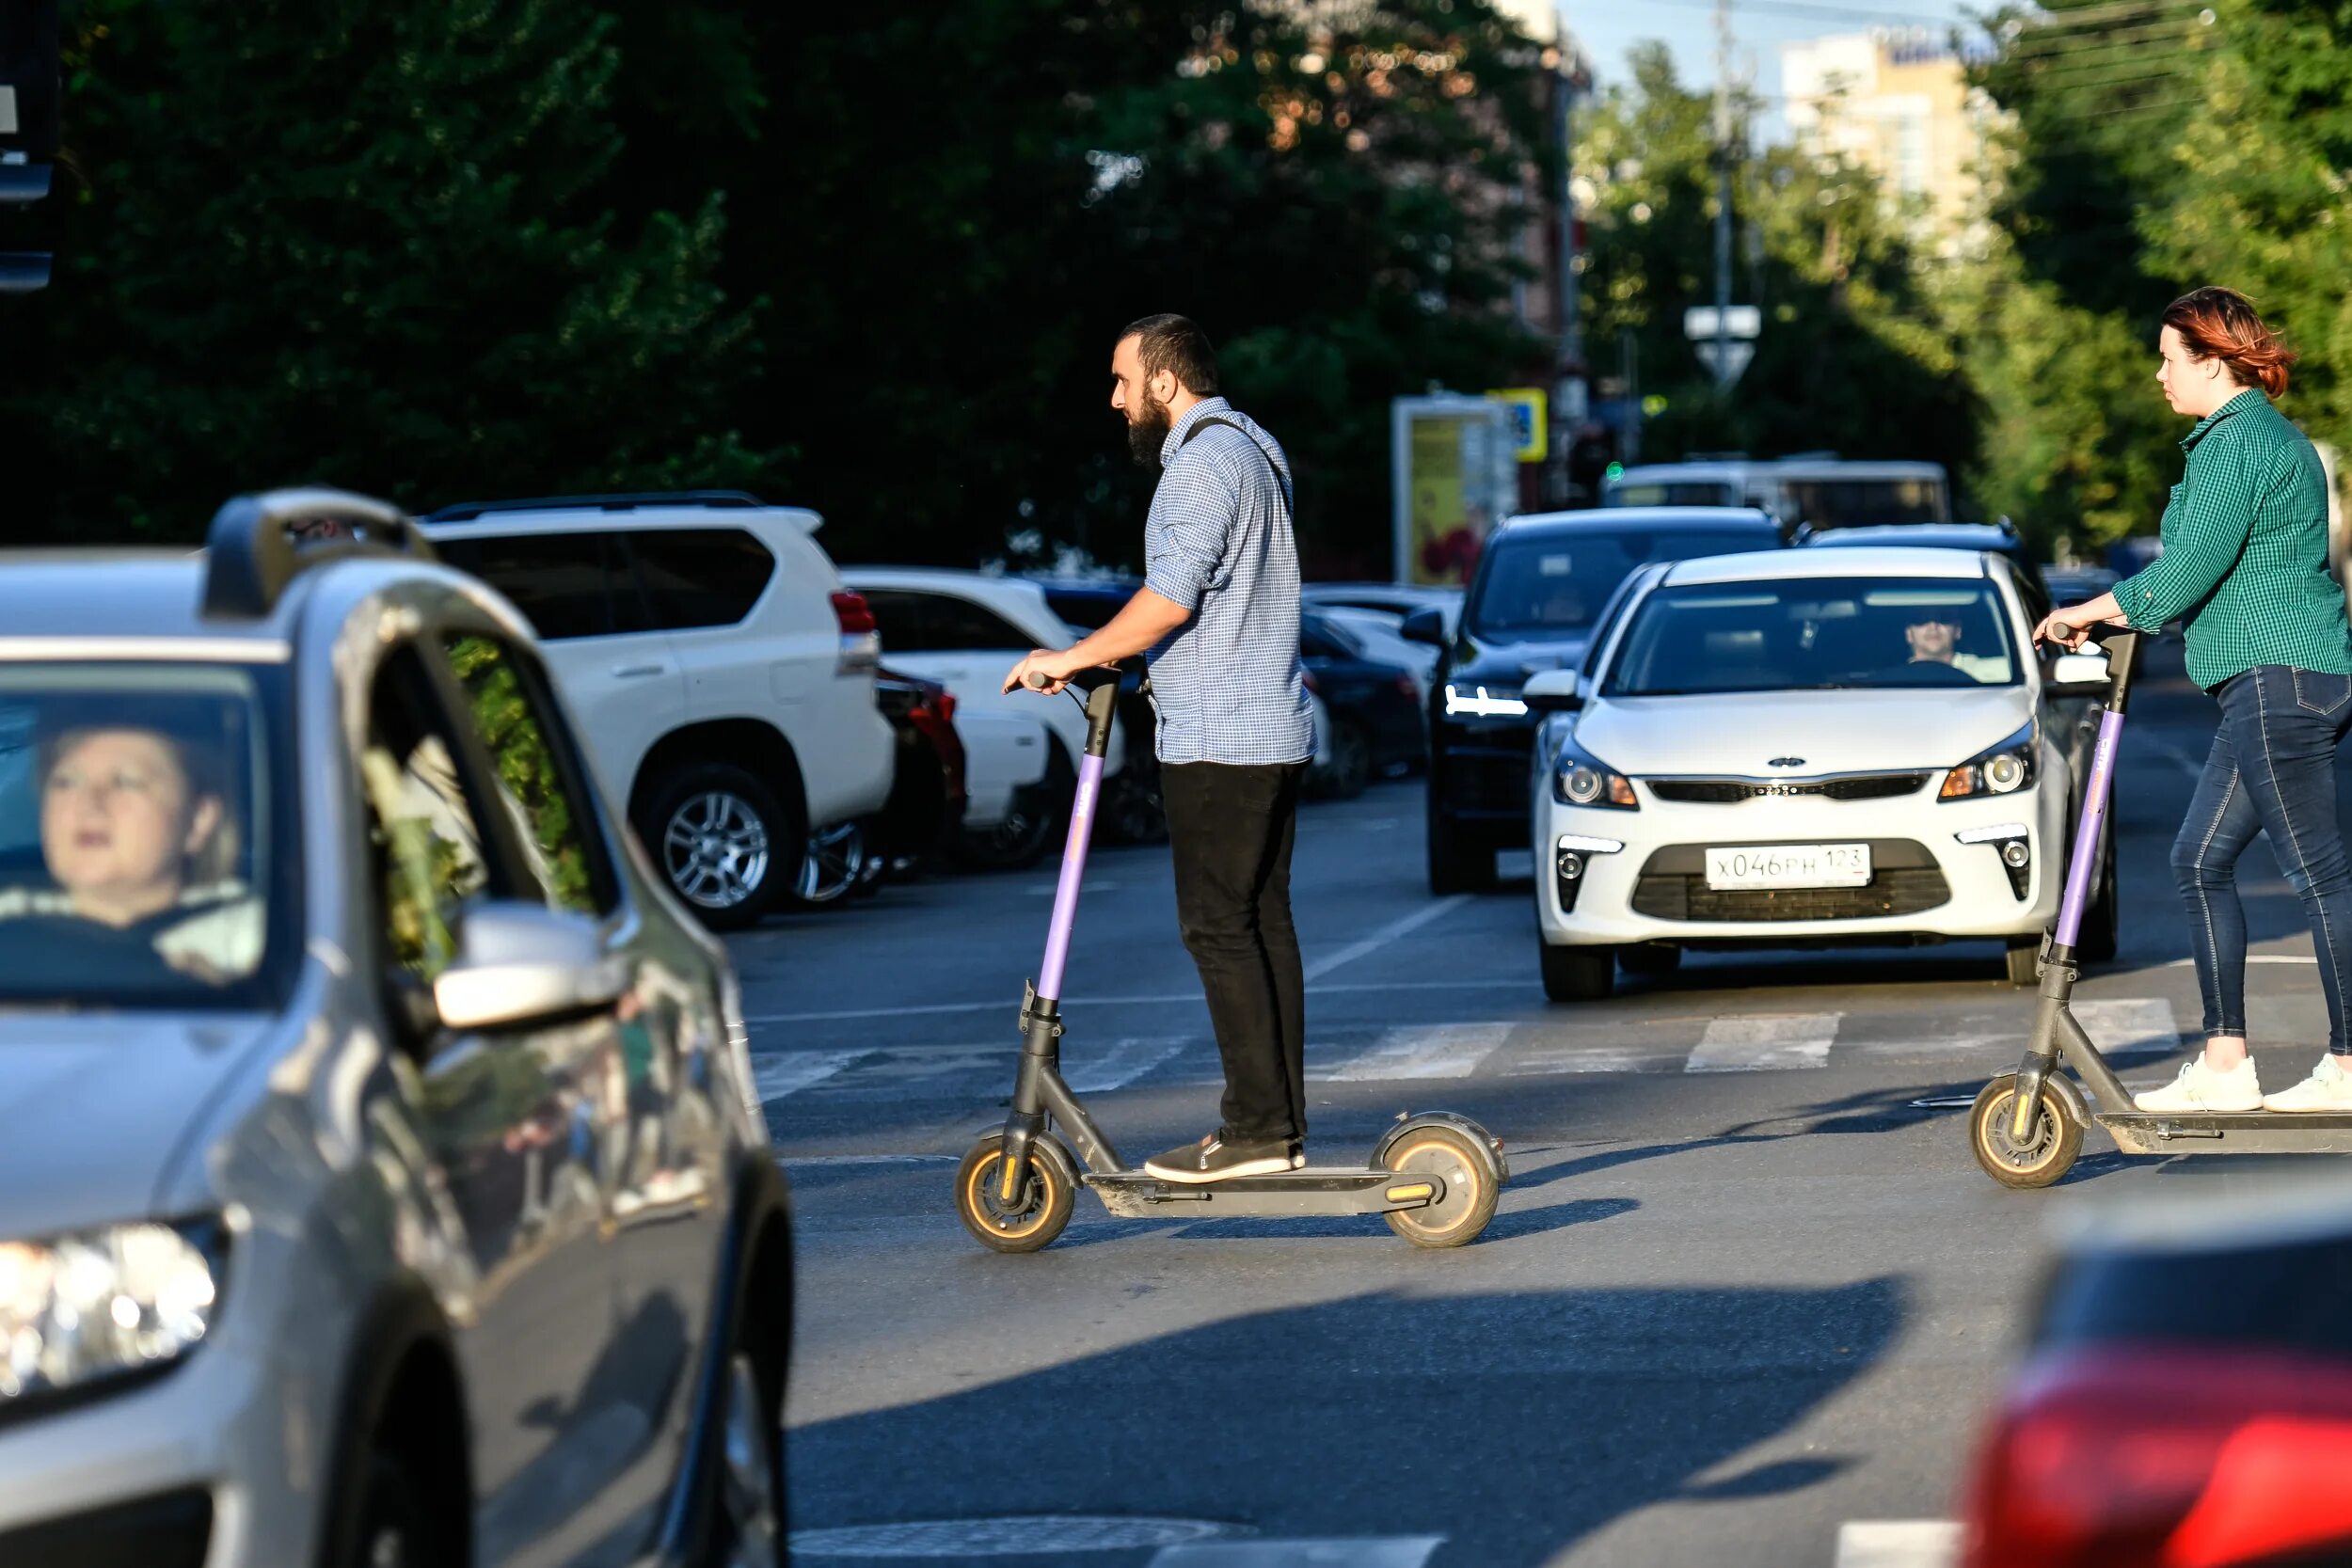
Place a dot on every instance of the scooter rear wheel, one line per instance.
(2048, 1152)
(1036, 1214)
(1473, 1187)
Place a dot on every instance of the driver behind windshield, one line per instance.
(1936, 640)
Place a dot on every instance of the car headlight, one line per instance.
(78, 1309)
(1579, 779)
(2002, 769)
(1473, 700)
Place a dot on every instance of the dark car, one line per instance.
(2077, 584)
(2186, 1395)
(923, 819)
(1995, 537)
(1130, 810)
(1542, 583)
(1375, 708)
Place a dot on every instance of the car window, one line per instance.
(701, 577)
(425, 825)
(915, 621)
(1813, 635)
(1847, 502)
(1680, 492)
(1558, 580)
(568, 584)
(2031, 595)
(538, 772)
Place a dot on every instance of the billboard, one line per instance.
(1455, 463)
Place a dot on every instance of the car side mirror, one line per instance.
(519, 964)
(1426, 624)
(2077, 674)
(1552, 692)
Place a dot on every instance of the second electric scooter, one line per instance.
(1435, 1176)
(2027, 1126)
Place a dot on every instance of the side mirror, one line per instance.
(519, 964)
(1552, 692)
(1426, 624)
(2077, 674)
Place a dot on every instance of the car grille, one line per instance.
(1904, 880)
(1861, 787)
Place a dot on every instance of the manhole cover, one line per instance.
(1013, 1536)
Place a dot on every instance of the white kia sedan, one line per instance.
(1802, 748)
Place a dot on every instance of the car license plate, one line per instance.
(1789, 866)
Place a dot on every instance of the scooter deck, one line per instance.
(1317, 1190)
(2234, 1132)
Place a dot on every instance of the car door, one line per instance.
(619, 671)
(512, 1124)
(706, 587)
(663, 1140)
(967, 648)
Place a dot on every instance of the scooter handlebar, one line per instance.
(1088, 679)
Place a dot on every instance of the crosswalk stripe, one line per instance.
(1762, 1044)
(1898, 1543)
(789, 1073)
(2129, 1024)
(1121, 1065)
(1544, 1062)
(1419, 1051)
(1393, 1551)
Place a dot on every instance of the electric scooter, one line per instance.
(1435, 1175)
(2027, 1126)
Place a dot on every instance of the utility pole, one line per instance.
(1722, 184)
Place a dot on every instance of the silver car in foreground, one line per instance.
(382, 1182)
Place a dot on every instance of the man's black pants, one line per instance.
(1232, 829)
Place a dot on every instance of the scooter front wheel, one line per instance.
(2046, 1153)
(1472, 1185)
(1034, 1216)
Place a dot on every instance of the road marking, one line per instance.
(1393, 1551)
(1341, 989)
(1898, 1543)
(1122, 1064)
(1765, 1044)
(2117, 1024)
(794, 1161)
(1550, 1060)
(1402, 925)
(1420, 1050)
(2255, 958)
(793, 1071)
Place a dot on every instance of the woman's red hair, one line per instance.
(2221, 324)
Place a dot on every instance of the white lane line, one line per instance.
(2129, 1024)
(1421, 1051)
(1122, 1064)
(794, 1070)
(2255, 958)
(1393, 1551)
(1551, 1060)
(791, 1161)
(1765, 1044)
(1341, 989)
(1403, 926)
(1898, 1543)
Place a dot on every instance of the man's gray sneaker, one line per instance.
(1213, 1159)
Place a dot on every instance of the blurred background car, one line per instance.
(2077, 584)
(1375, 707)
(1998, 538)
(723, 675)
(1131, 812)
(2185, 1394)
(922, 821)
(1542, 582)
(1817, 488)
(1399, 599)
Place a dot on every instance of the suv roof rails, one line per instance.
(467, 511)
(252, 555)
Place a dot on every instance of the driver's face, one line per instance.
(1933, 639)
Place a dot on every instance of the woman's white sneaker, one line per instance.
(2328, 1088)
(2200, 1087)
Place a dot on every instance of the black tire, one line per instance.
(1458, 863)
(1036, 1215)
(2023, 960)
(2048, 1153)
(1578, 973)
(747, 1498)
(699, 825)
(833, 866)
(1348, 773)
(1039, 813)
(393, 1530)
(1649, 959)
(1473, 1187)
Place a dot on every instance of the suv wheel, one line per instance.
(837, 863)
(1039, 811)
(715, 829)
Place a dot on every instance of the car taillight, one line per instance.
(2165, 1457)
(945, 705)
(861, 641)
(853, 612)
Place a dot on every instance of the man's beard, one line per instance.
(1148, 434)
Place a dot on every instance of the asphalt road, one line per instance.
(1748, 1315)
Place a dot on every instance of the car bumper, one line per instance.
(1925, 883)
(1478, 777)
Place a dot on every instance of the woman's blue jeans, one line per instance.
(2272, 770)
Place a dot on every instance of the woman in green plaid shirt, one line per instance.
(2245, 566)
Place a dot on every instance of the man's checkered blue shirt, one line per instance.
(1228, 686)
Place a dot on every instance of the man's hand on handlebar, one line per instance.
(1043, 671)
(2070, 627)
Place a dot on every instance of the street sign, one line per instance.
(1739, 321)
(1530, 429)
(1725, 371)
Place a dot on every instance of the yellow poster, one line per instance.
(1440, 527)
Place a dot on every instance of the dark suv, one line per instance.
(1541, 586)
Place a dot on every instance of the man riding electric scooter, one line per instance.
(1218, 615)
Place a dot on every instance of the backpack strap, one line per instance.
(1281, 484)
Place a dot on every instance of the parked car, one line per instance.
(1399, 599)
(964, 631)
(1998, 538)
(387, 1183)
(1817, 488)
(1799, 747)
(1131, 812)
(2185, 1394)
(2077, 584)
(1375, 707)
(1541, 583)
(723, 675)
(1381, 636)
(923, 819)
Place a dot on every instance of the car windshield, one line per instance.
(139, 854)
(1852, 502)
(1560, 580)
(1676, 492)
(1810, 634)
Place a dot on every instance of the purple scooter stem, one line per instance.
(2082, 868)
(1074, 870)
